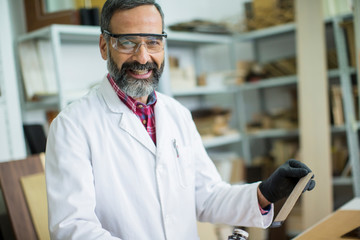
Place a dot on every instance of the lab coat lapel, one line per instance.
(132, 125)
(128, 121)
(163, 131)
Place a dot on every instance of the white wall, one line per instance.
(11, 123)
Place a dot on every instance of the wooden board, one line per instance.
(314, 119)
(291, 200)
(34, 188)
(334, 226)
(10, 173)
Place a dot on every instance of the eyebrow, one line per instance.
(164, 34)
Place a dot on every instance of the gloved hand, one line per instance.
(283, 180)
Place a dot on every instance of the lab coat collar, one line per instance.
(128, 121)
(111, 99)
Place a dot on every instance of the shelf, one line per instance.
(265, 83)
(67, 32)
(270, 82)
(193, 39)
(204, 91)
(277, 30)
(341, 16)
(221, 140)
(280, 133)
(52, 102)
(82, 33)
(274, 133)
(336, 72)
(286, 80)
(266, 32)
(342, 181)
(338, 129)
(91, 33)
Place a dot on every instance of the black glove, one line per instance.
(283, 180)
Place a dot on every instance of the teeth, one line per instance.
(140, 72)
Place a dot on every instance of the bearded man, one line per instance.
(126, 162)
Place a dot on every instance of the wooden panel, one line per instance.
(10, 173)
(333, 227)
(314, 109)
(34, 187)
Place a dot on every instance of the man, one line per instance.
(126, 162)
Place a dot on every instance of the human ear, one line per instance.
(103, 47)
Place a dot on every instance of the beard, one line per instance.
(133, 87)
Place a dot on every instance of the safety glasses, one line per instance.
(130, 43)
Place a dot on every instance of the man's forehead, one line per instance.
(144, 15)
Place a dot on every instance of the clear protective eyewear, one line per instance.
(130, 43)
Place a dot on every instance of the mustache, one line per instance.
(137, 66)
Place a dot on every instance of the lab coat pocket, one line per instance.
(184, 165)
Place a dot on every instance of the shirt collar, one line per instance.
(129, 101)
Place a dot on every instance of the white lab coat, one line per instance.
(107, 180)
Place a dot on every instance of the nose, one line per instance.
(141, 54)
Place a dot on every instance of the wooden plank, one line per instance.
(34, 188)
(10, 173)
(291, 200)
(313, 109)
(334, 226)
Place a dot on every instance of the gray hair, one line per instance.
(111, 6)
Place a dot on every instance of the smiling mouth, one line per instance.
(140, 74)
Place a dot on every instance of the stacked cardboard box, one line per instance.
(263, 14)
(212, 121)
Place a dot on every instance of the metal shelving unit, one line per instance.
(349, 109)
(57, 35)
(276, 31)
(343, 73)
